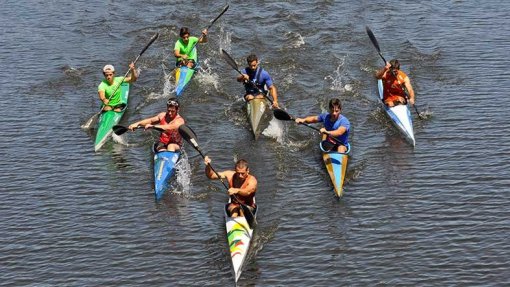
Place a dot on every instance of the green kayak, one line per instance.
(110, 118)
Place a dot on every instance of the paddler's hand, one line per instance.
(232, 191)
(132, 127)
(106, 101)
(132, 66)
(324, 131)
(411, 101)
(204, 32)
(299, 120)
(148, 126)
(207, 160)
(275, 105)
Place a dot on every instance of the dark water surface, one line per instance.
(433, 215)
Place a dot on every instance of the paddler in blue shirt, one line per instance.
(111, 84)
(256, 80)
(184, 49)
(335, 125)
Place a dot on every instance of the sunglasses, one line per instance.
(172, 103)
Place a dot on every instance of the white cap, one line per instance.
(108, 68)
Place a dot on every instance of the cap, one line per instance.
(108, 68)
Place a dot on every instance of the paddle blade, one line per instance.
(189, 135)
(282, 115)
(230, 61)
(90, 121)
(118, 130)
(150, 43)
(214, 20)
(373, 39)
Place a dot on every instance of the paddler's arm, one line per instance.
(133, 76)
(380, 73)
(249, 189)
(209, 171)
(102, 97)
(274, 94)
(144, 122)
(203, 39)
(177, 53)
(336, 133)
(307, 120)
(410, 90)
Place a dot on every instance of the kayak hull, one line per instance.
(110, 118)
(164, 169)
(239, 236)
(336, 165)
(400, 117)
(258, 114)
(183, 76)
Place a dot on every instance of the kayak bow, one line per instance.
(257, 110)
(164, 168)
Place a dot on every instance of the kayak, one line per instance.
(400, 116)
(239, 235)
(257, 110)
(110, 118)
(183, 76)
(164, 169)
(336, 164)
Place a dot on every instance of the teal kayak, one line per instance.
(183, 76)
(164, 169)
(110, 118)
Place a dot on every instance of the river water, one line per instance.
(433, 215)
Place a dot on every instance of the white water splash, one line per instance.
(183, 174)
(275, 130)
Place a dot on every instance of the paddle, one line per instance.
(210, 25)
(233, 64)
(189, 135)
(93, 118)
(284, 116)
(119, 130)
(376, 45)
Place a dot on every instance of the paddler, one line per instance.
(169, 122)
(393, 81)
(243, 186)
(111, 84)
(183, 49)
(256, 80)
(336, 126)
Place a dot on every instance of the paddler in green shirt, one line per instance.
(111, 84)
(184, 49)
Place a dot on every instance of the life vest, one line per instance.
(255, 79)
(393, 85)
(248, 200)
(170, 136)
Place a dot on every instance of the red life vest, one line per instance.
(392, 85)
(170, 136)
(248, 200)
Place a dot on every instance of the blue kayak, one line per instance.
(164, 169)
